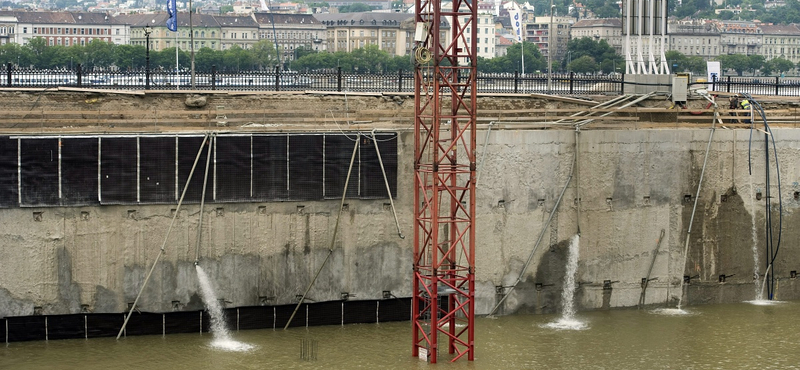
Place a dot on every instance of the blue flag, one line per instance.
(172, 21)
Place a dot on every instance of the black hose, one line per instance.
(771, 254)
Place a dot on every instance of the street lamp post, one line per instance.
(147, 31)
(569, 60)
(550, 50)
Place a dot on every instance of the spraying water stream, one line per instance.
(222, 337)
(568, 320)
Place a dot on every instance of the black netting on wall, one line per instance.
(118, 170)
(397, 309)
(157, 170)
(25, 328)
(325, 313)
(305, 167)
(187, 152)
(145, 323)
(96, 325)
(284, 312)
(270, 168)
(372, 182)
(232, 172)
(143, 170)
(66, 326)
(79, 171)
(182, 322)
(39, 178)
(256, 317)
(9, 190)
(104, 324)
(338, 152)
(359, 312)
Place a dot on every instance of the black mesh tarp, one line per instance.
(95, 325)
(270, 168)
(9, 190)
(39, 167)
(232, 170)
(157, 170)
(66, 326)
(255, 317)
(372, 182)
(118, 170)
(358, 312)
(79, 171)
(104, 324)
(25, 328)
(284, 312)
(305, 167)
(338, 152)
(145, 323)
(187, 152)
(182, 322)
(325, 313)
(397, 309)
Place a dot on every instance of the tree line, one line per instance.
(584, 55)
(101, 55)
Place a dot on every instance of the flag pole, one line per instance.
(177, 65)
(191, 47)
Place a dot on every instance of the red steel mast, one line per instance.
(443, 304)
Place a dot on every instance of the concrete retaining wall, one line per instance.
(631, 184)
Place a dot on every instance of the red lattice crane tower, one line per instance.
(443, 304)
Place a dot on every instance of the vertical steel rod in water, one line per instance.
(694, 208)
(202, 203)
(161, 252)
(333, 239)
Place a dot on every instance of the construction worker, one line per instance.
(734, 104)
(745, 104)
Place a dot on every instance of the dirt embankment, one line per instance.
(80, 111)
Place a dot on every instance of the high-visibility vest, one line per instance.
(745, 104)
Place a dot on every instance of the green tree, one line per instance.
(205, 58)
(165, 59)
(736, 62)
(16, 54)
(225, 9)
(99, 54)
(755, 62)
(355, 8)
(369, 59)
(677, 61)
(584, 64)
(237, 59)
(780, 65)
(264, 54)
(599, 51)
(127, 57)
(696, 65)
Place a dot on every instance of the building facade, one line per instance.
(538, 31)
(350, 31)
(608, 29)
(781, 41)
(291, 31)
(695, 38)
(63, 28)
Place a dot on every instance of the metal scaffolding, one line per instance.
(445, 56)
